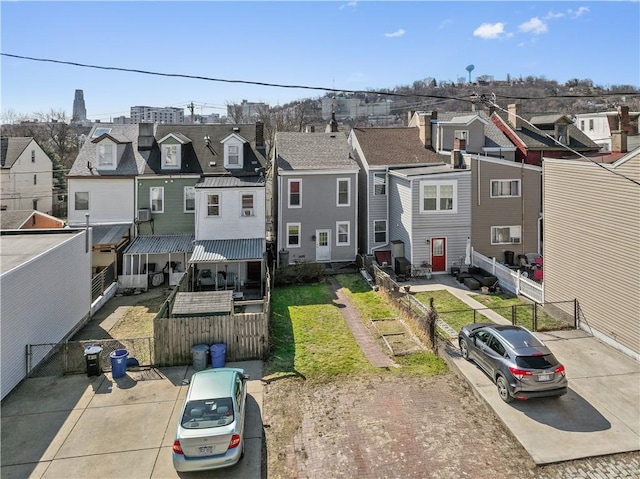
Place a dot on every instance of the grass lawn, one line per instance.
(137, 322)
(450, 309)
(502, 304)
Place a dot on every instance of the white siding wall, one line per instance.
(592, 246)
(18, 184)
(230, 224)
(42, 301)
(111, 200)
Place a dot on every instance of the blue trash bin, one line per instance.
(118, 362)
(218, 352)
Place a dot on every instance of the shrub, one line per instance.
(300, 273)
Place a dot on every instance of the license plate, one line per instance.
(544, 377)
(206, 450)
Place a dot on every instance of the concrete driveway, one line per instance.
(75, 426)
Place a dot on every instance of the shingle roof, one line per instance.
(14, 219)
(534, 138)
(131, 163)
(313, 151)
(11, 148)
(394, 146)
(199, 158)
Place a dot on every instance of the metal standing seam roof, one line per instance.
(156, 244)
(230, 182)
(109, 234)
(214, 251)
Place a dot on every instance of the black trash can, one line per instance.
(508, 258)
(92, 359)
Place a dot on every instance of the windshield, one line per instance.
(207, 413)
(545, 361)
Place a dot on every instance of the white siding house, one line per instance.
(36, 305)
(105, 200)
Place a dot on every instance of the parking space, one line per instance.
(76, 426)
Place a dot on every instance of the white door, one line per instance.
(323, 245)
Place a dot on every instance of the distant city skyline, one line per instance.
(343, 45)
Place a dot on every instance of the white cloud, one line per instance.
(490, 31)
(553, 16)
(579, 12)
(348, 5)
(444, 24)
(397, 33)
(534, 25)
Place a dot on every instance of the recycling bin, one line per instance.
(92, 359)
(118, 362)
(199, 354)
(218, 354)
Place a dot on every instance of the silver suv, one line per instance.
(515, 359)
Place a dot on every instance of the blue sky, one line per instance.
(349, 45)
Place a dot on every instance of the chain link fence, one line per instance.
(57, 359)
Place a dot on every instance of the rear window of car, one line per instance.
(207, 413)
(545, 361)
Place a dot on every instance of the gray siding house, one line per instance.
(317, 192)
(592, 244)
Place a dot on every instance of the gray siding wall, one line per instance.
(592, 246)
(378, 209)
(319, 211)
(42, 301)
(521, 211)
(476, 136)
(412, 227)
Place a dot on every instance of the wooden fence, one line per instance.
(245, 335)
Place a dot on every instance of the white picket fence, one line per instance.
(510, 280)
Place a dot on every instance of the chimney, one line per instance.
(410, 114)
(456, 159)
(460, 144)
(514, 116)
(145, 136)
(259, 134)
(333, 124)
(625, 124)
(619, 141)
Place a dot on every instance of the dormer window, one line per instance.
(171, 156)
(233, 151)
(106, 156)
(563, 134)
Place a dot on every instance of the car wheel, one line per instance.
(503, 389)
(464, 349)
(242, 453)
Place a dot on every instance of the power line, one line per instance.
(486, 100)
(471, 98)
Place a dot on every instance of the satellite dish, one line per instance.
(470, 69)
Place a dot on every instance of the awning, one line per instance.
(217, 251)
(110, 234)
(159, 244)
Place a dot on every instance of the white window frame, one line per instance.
(439, 197)
(233, 148)
(338, 182)
(591, 124)
(289, 182)
(376, 231)
(192, 191)
(383, 184)
(338, 233)
(289, 244)
(462, 135)
(75, 200)
(233, 154)
(210, 204)
(247, 209)
(173, 148)
(152, 189)
(106, 155)
(510, 183)
(511, 238)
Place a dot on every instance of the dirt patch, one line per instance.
(386, 426)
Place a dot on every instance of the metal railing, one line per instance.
(102, 280)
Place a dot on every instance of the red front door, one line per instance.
(438, 255)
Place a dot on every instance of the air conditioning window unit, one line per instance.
(144, 215)
(247, 212)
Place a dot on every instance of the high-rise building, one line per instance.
(79, 110)
(153, 114)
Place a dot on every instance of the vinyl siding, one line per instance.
(37, 307)
(174, 220)
(110, 200)
(487, 212)
(591, 245)
(319, 211)
(378, 209)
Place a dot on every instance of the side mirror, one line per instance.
(245, 377)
